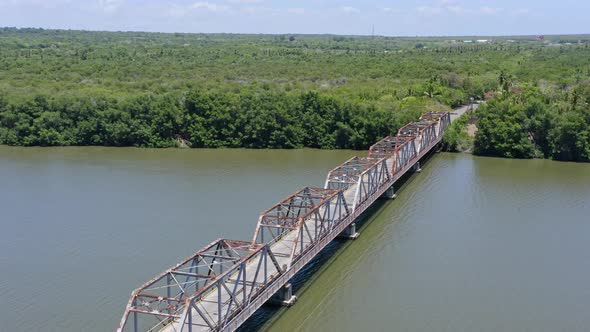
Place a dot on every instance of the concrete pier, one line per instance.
(417, 168)
(284, 297)
(349, 232)
(390, 193)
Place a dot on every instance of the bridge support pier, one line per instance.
(416, 168)
(284, 297)
(349, 233)
(389, 193)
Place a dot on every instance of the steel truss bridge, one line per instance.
(220, 286)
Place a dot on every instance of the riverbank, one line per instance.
(242, 119)
(458, 137)
(525, 124)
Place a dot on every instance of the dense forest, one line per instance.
(290, 91)
(533, 123)
(528, 123)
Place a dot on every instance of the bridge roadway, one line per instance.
(222, 285)
(282, 250)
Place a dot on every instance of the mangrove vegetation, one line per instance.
(60, 88)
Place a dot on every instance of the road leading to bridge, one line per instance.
(222, 285)
(461, 110)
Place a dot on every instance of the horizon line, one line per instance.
(295, 33)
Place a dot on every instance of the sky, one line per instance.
(387, 18)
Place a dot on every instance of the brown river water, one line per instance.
(469, 244)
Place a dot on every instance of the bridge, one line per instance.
(220, 286)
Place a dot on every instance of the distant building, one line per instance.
(482, 40)
(468, 41)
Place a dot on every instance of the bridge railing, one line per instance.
(306, 216)
(221, 285)
(371, 180)
(348, 173)
(234, 290)
(368, 174)
(412, 140)
(173, 297)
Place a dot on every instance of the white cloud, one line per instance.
(521, 12)
(296, 11)
(457, 9)
(241, 2)
(420, 17)
(490, 10)
(389, 10)
(109, 6)
(452, 7)
(259, 10)
(443, 6)
(92, 6)
(178, 11)
(209, 6)
(429, 10)
(270, 11)
(350, 10)
(36, 3)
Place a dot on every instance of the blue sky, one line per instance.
(391, 18)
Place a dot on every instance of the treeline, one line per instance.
(531, 123)
(203, 119)
(290, 91)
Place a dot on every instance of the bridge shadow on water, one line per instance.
(267, 314)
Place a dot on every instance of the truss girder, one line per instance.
(222, 284)
(306, 216)
(174, 296)
(286, 215)
(347, 174)
(370, 181)
(411, 140)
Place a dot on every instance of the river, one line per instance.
(469, 244)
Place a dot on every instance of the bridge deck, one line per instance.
(299, 226)
(282, 250)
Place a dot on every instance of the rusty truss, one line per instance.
(412, 141)
(300, 220)
(204, 290)
(222, 285)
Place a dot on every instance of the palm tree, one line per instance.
(431, 90)
(505, 81)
